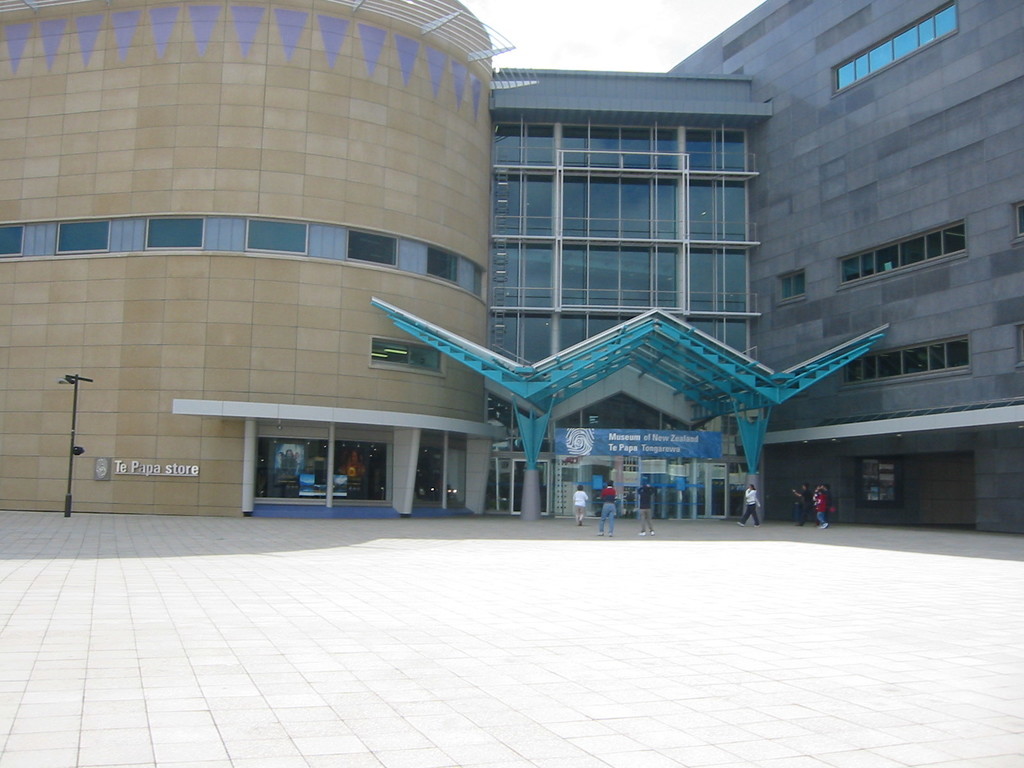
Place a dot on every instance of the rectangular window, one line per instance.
(83, 236)
(360, 470)
(405, 353)
(793, 285)
(364, 246)
(287, 237)
(10, 240)
(905, 253)
(938, 24)
(716, 150)
(1020, 219)
(880, 482)
(174, 233)
(908, 361)
(442, 264)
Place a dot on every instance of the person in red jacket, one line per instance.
(608, 500)
(822, 504)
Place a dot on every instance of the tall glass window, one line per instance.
(530, 275)
(530, 205)
(718, 280)
(718, 210)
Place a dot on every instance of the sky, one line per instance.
(613, 35)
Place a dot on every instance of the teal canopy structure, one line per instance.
(718, 379)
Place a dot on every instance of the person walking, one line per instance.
(579, 504)
(804, 504)
(608, 499)
(645, 500)
(822, 502)
(752, 504)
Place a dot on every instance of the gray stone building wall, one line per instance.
(936, 137)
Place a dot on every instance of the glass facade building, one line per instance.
(595, 224)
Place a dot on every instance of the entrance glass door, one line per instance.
(505, 488)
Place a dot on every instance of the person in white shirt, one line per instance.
(579, 503)
(752, 503)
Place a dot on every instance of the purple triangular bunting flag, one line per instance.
(289, 26)
(408, 50)
(124, 23)
(437, 63)
(247, 24)
(88, 30)
(332, 32)
(52, 33)
(373, 43)
(459, 80)
(204, 19)
(475, 87)
(163, 21)
(17, 36)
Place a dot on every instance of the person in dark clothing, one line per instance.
(645, 500)
(804, 505)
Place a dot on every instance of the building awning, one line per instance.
(715, 377)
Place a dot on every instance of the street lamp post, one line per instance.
(73, 450)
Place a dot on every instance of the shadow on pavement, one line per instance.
(30, 535)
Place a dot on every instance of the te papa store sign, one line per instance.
(106, 468)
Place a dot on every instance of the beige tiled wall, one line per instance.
(219, 134)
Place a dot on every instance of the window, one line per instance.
(905, 253)
(287, 237)
(619, 276)
(1020, 221)
(83, 236)
(619, 207)
(10, 241)
(718, 281)
(880, 482)
(175, 233)
(903, 43)
(718, 210)
(926, 358)
(379, 249)
(519, 144)
(442, 264)
(716, 150)
(295, 468)
(792, 285)
(406, 354)
(619, 147)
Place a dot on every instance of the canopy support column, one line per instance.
(533, 428)
(752, 434)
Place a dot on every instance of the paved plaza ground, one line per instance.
(178, 642)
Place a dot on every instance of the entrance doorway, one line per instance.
(505, 486)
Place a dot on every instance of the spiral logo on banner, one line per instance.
(579, 442)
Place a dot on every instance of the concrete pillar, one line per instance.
(478, 461)
(249, 467)
(407, 449)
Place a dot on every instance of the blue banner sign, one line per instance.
(645, 443)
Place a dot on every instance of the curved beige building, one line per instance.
(197, 204)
